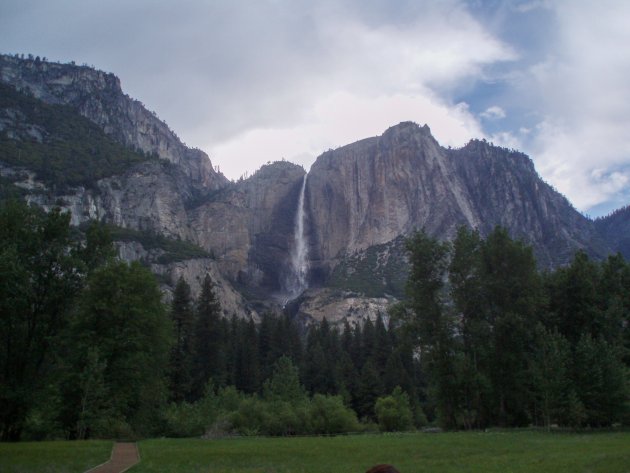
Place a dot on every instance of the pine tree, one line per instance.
(318, 376)
(551, 375)
(574, 298)
(348, 378)
(368, 341)
(265, 348)
(181, 365)
(370, 389)
(600, 380)
(396, 374)
(209, 349)
(431, 324)
(382, 345)
(284, 384)
(247, 376)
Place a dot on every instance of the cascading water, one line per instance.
(299, 252)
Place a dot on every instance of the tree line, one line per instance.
(88, 348)
(503, 344)
(357, 365)
(84, 336)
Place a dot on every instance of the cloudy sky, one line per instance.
(261, 80)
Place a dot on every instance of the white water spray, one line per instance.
(299, 253)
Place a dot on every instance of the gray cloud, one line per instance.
(253, 81)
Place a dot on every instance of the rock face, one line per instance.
(615, 229)
(361, 200)
(249, 226)
(98, 96)
(372, 191)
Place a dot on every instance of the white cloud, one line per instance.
(507, 139)
(585, 100)
(493, 113)
(256, 81)
(371, 77)
(343, 118)
(580, 162)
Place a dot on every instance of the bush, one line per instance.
(328, 415)
(285, 418)
(251, 418)
(114, 428)
(393, 412)
(183, 420)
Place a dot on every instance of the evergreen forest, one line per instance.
(482, 339)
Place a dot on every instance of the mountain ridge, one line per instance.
(360, 200)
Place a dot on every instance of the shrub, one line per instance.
(183, 420)
(328, 415)
(393, 412)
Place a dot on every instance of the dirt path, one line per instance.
(124, 456)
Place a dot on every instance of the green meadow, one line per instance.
(500, 452)
(53, 457)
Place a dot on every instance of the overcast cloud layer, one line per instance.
(257, 81)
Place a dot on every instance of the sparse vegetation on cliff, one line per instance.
(173, 250)
(63, 148)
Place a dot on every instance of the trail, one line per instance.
(124, 456)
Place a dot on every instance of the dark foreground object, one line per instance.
(382, 469)
(124, 456)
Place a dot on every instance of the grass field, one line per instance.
(53, 457)
(531, 452)
(504, 452)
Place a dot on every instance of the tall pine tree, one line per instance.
(209, 349)
(181, 365)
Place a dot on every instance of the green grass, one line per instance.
(53, 457)
(531, 452)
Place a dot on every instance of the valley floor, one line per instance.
(506, 451)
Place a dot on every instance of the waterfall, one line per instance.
(299, 252)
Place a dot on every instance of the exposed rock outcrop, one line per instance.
(615, 229)
(98, 96)
(372, 191)
(361, 200)
(249, 226)
(338, 306)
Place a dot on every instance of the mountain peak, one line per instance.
(408, 127)
(97, 96)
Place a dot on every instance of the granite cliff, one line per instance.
(615, 229)
(370, 192)
(360, 200)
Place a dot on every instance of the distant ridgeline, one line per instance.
(63, 148)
